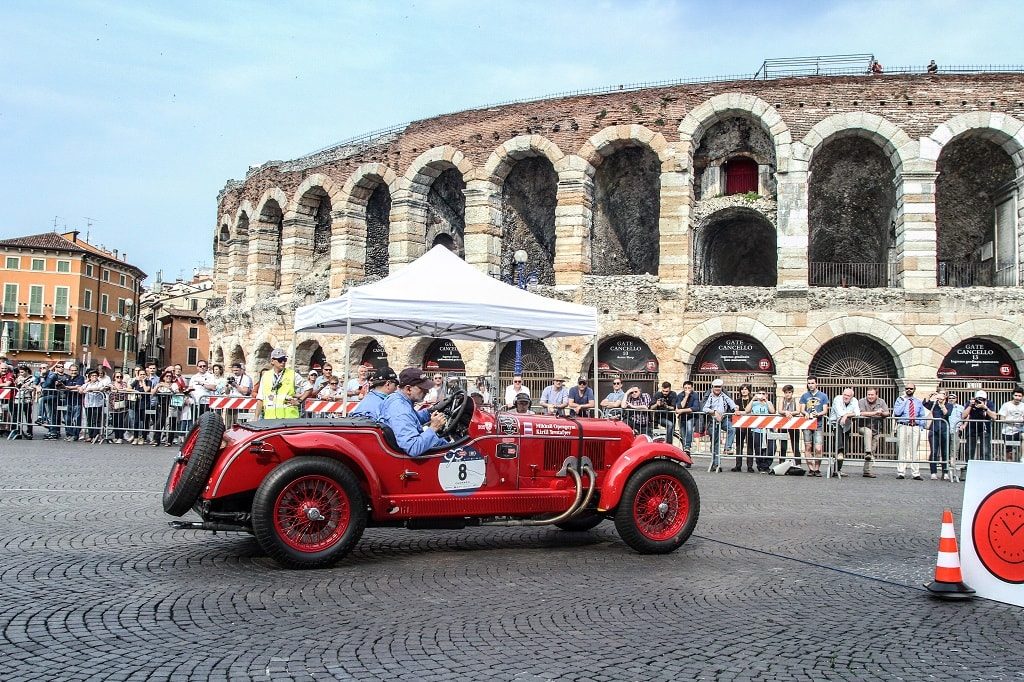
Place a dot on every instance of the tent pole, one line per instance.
(596, 401)
(348, 362)
(497, 380)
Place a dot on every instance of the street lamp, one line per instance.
(521, 258)
(126, 329)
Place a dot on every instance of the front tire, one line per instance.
(309, 512)
(659, 508)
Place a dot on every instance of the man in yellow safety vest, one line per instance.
(278, 388)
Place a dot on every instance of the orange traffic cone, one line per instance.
(949, 582)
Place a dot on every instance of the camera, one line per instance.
(231, 380)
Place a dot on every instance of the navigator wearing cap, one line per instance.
(278, 388)
(405, 422)
(383, 382)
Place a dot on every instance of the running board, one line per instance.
(209, 525)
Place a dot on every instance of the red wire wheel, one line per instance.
(309, 512)
(312, 513)
(659, 508)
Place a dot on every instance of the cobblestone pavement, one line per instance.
(786, 578)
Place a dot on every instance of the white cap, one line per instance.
(68, 365)
(718, 382)
(980, 394)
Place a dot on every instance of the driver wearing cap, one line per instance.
(406, 423)
(383, 382)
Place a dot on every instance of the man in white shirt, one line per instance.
(844, 408)
(514, 389)
(239, 383)
(1011, 414)
(202, 384)
(357, 385)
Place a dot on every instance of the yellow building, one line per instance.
(64, 298)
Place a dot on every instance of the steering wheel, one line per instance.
(459, 412)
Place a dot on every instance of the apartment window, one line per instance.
(60, 337)
(103, 303)
(194, 304)
(193, 356)
(35, 300)
(88, 270)
(11, 299)
(63, 266)
(60, 302)
(33, 336)
(87, 299)
(123, 280)
(106, 275)
(13, 262)
(101, 337)
(38, 263)
(118, 340)
(86, 337)
(193, 332)
(12, 330)
(120, 307)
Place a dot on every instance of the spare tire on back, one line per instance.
(193, 465)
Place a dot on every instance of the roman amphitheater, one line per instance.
(862, 228)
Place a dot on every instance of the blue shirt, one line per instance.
(555, 396)
(369, 407)
(901, 411)
(407, 425)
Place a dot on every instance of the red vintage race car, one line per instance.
(307, 488)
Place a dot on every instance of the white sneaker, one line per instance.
(935, 477)
(945, 476)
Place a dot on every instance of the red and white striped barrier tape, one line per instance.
(6, 393)
(329, 406)
(221, 402)
(753, 421)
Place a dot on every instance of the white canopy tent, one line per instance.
(440, 295)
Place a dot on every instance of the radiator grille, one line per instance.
(555, 452)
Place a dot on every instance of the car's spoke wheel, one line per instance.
(659, 508)
(312, 513)
(192, 466)
(309, 512)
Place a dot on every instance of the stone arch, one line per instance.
(261, 357)
(507, 154)
(1007, 334)
(613, 138)
(719, 107)
(418, 351)
(240, 230)
(267, 239)
(436, 184)
(218, 355)
(360, 238)
(736, 246)
(891, 338)
(312, 221)
(1004, 130)
(896, 144)
(704, 333)
(308, 354)
(317, 180)
(237, 355)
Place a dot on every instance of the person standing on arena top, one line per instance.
(814, 404)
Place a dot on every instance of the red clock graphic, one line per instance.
(998, 533)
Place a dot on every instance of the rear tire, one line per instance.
(309, 512)
(659, 508)
(192, 468)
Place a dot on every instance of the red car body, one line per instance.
(281, 480)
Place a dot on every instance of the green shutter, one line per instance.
(35, 302)
(49, 339)
(60, 303)
(11, 299)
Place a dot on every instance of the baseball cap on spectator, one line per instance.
(313, 373)
(980, 394)
(278, 354)
(522, 398)
(718, 382)
(68, 365)
(379, 376)
(414, 376)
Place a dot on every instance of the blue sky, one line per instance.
(134, 114)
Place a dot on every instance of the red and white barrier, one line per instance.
(6, 393)
(329, 406)
(753, 421)
(222, 402)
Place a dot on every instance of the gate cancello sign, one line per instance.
(443, 355)
(375, 356)
(735, 354)
(978, 359)
(626, 354)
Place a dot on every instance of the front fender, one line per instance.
(643, 451)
